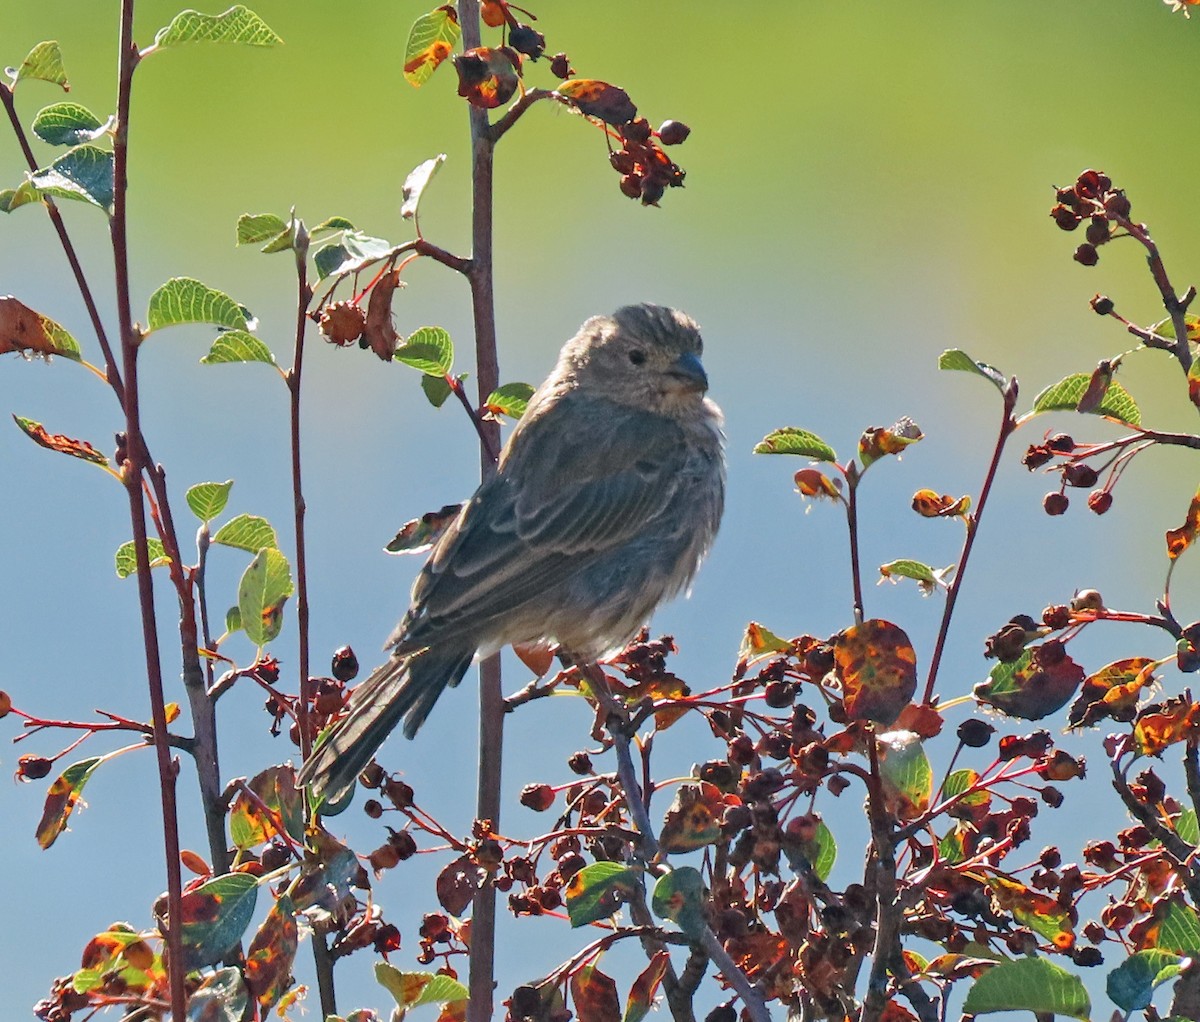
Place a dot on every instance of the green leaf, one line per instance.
(255, 228)
(415, 183)
(15, 198)
(1066, 394)
(68, 124)
(247, 532)
(906, 773)
(84, 173)
(275, 788)
(430, 41)
(1187, 828)
(354, 252)
(1029, 984)
(215, 915)
(237, 346)
(58, 442)
(599, 890)
(1179, 930)
(328, 258)
(820, 853)
(221, 997)
(412, 989)
(436, 389)
(1165, 328)
(184, 300)
(428, 349)
(233, 620)
(1131, 984)
(207, 500)
(62, 798)
(236, 25)
(509, 399)
(790, 440)
(262, 592)
(679, 896)
(126, 557)
(334, 223)
(43, 62)
(960, 781)
(957, 359)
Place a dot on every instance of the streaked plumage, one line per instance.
(607, 497)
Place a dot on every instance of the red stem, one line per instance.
(1007, 425)
(132, 470)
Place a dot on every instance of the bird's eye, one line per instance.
(637, 357)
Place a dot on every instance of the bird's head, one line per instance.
(645, 355)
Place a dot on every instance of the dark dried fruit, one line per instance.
(1086, 255)
(1080, 474)
(538, 797)
(1055, 503)
(527, 40)
(1099, 501)
(580, 763)
(1065, 217)
(560, 66)
(1102, 305)
(673, 132)
(975, 733)
(345, 664)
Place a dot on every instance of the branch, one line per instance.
(1178, 850)
(1007, 425)
(514, 112)
(132, 472)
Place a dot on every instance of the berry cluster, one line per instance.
(1092, 198)
(646, 170)
(1074, 471)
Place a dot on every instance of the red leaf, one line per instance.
(877, 666)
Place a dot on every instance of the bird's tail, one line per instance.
(404, 688)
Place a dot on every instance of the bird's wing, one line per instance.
(582, 479)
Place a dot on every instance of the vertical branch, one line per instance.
(132, 470)
(888, 910)
(1007, 425)
(321, 959)
(852, 478)
(481, 980)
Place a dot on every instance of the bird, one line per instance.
(606, 498)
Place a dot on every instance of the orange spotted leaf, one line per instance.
(275, 804)
(877, 666)
(679, 896)
(641, 994)
(759, 641)
(431, 40)
(62, 798)
(598, 99)
(1178, 540)
(271, 954)
(812, 482)
(1040, 682)
(1041, 913)
(1164, 725)
(1113, 691)
(58, 442)
(1193, 377)
(487, 76)
(412, 989)
(877, 442)
(421, 533)
(599, 890)
(594, 995)
(215, 915)
(29, 332)
(931, 504)
(693, 819)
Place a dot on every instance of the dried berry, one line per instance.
(580, 763)
(527, 40)
(975, 733)
(1098, 231)
(1079, 474)
(345, 664)
(1065, 217)
(1055, 503)
(1086, 255)
(342, 323)
(638, 130)
(1117, 204)
(673, 132)
(373, 808)
(33, 768)
(1036, 456)
(1102, 305)
(560, 66)
(631, 186)
(1056, 616)
(538, 797)
(1099, 501)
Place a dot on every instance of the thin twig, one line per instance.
(852, 478)
(132, 469)
(1007, 425)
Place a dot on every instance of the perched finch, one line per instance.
(607, 497)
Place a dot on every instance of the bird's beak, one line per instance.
(687, 374)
